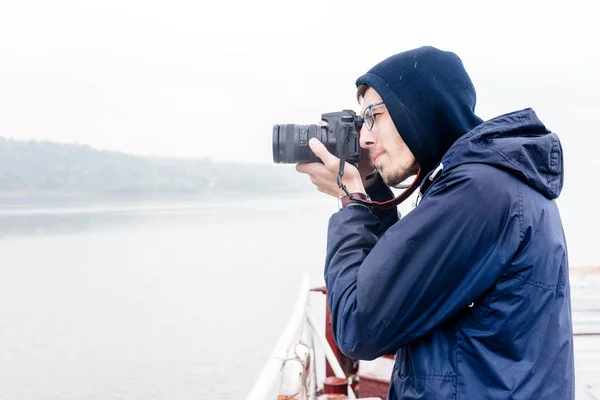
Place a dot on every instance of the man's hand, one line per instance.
(324, 176)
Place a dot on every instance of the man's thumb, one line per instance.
(319, 149)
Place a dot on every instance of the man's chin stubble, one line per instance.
(396, 180)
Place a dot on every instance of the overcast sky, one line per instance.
(210, 78)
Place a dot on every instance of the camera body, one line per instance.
(340, 136)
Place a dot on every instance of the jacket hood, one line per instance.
(517, 142)
(430, 98)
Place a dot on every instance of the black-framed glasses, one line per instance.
(368, 119)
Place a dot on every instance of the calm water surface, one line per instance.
(157, 300)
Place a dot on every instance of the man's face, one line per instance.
(390, 155)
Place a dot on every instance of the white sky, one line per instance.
(210, 78)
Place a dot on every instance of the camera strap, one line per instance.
(384, 205)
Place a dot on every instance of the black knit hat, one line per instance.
(430, 98)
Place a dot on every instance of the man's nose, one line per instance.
(367, 138)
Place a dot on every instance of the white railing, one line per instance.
(292, 361)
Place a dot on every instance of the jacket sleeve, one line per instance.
(387, 292)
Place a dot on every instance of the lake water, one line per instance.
(156, 300)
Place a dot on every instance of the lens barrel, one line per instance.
(290, 142)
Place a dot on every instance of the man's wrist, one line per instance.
(354, 198)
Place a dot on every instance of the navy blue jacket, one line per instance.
(471, 288)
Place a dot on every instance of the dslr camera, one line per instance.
(340, 136)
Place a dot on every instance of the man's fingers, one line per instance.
(301, 167)
(324, 175)
(308, 168)
(313, 169)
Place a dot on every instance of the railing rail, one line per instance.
(292, 361)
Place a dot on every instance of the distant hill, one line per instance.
(40, 167)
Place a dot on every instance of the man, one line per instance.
(471, 288)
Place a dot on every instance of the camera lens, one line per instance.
(290, 142)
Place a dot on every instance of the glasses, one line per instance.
(368, 119)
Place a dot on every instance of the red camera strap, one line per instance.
(386, 205)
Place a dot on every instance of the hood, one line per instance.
(430, 98)
(518, 143)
